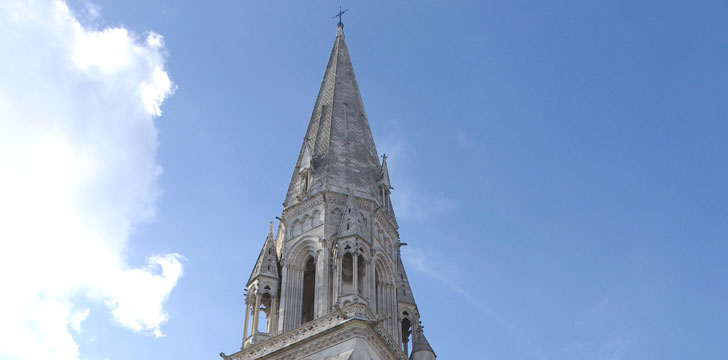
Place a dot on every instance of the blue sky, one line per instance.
(559, 168)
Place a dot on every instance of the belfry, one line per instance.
(329, 282)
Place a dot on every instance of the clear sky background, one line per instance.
(559, 170)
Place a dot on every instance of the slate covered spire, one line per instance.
(338, 139)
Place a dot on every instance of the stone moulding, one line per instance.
(385, 222)
(299, 208)
(354, 320)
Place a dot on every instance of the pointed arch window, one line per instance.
(309, 287)
(377, 290)
(304, 182)
(406, 331)
(347, 273)
(264, 313)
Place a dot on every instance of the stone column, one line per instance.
(297, 282)
(282, 305)
(273, 321)
(394, 311)
(290, 298)
(387, 309)
(247, 319)
(372, 281)
(256, 314)
(339, 275)
(292, 307)
(368, 279)
(355, 274)
(322, 284)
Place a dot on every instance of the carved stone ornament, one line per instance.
(355, 324)
(299, 209)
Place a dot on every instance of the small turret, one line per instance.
(267, 265)
(261, 294)
(421, 349)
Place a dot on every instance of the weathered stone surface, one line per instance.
(340, 142)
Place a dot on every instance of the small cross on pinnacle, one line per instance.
(341, 12)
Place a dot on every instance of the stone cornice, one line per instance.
(300, 207)
(354, 320)
(383, 218)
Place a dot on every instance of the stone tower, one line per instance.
(329, 283)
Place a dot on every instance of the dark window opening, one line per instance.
(347, 273)
(264, 314)
(309, 285)
(406, 331)
(377, 290)
(305, 183)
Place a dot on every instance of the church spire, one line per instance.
(332, 277)
(338, 139)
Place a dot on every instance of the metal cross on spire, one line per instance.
(341, 12)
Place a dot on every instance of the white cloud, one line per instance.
(77, 318)
(138, 297)
(78, 172)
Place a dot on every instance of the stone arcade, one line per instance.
(329, 282)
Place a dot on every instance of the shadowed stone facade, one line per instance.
(330, 283)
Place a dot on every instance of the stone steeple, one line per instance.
(330, 284)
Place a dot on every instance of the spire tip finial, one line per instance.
(340, 25)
